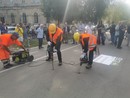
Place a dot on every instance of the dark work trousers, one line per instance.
(121, 37)
(91, 54)
(40, 42)
(57, 47)
(101, 38)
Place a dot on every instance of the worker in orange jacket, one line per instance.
(54, 39)
(88, 43)
(6, 40)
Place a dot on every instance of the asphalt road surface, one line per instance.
(38, 80)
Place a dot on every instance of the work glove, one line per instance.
(49, 43)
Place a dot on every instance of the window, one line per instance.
(12, 18)
(35, 18)
(24, 18)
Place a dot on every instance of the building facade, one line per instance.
(21, 11)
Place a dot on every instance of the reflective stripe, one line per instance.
(91, 46)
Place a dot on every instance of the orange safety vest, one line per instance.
(6, 40)
(53, 38)
(82, 36)
(92, 40)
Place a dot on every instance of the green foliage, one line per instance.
(83, 10)
(54, 9)
(117, 12)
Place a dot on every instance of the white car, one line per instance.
(11, 29)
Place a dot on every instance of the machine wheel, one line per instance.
(30, 58)
(88, 66)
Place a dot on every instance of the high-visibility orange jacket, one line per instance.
(88, 41)
(57, 36)
(5, 40)
(92, 42)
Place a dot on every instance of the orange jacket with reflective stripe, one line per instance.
(92, 40)
(82, 36)
(56, 36)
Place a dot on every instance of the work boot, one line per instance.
(48, 59)
(89, 66)
(60, 64)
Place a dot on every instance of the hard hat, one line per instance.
(52, 28)
(76, 36)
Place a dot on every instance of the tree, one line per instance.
(54, 9)
(117, 12)
(69, 10)
(94, 9)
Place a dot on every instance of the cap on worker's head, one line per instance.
(52, 28)
(76, 36)
(16, 34)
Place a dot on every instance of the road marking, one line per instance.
(36, 59)
(55, 53)
(33, 52)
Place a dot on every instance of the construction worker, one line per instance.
(88, 43)
(7, 40)
(54, 38)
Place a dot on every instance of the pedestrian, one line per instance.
(33, 34)
(66, 31)
(81, 27)
(101, 31)
(40, 35)
(45, 29)
(54, 38)
(19, 30)
(122, 29)
(26, 36)
(73, 30)
(128, 34)
(6, 40)
(3, 28)
(116, 34)
(112, 32)
(88, 28)
(88, 43)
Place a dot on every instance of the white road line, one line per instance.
(55, 53)
(33, 52)
(36, 59)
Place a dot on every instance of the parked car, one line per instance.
(11, 29)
